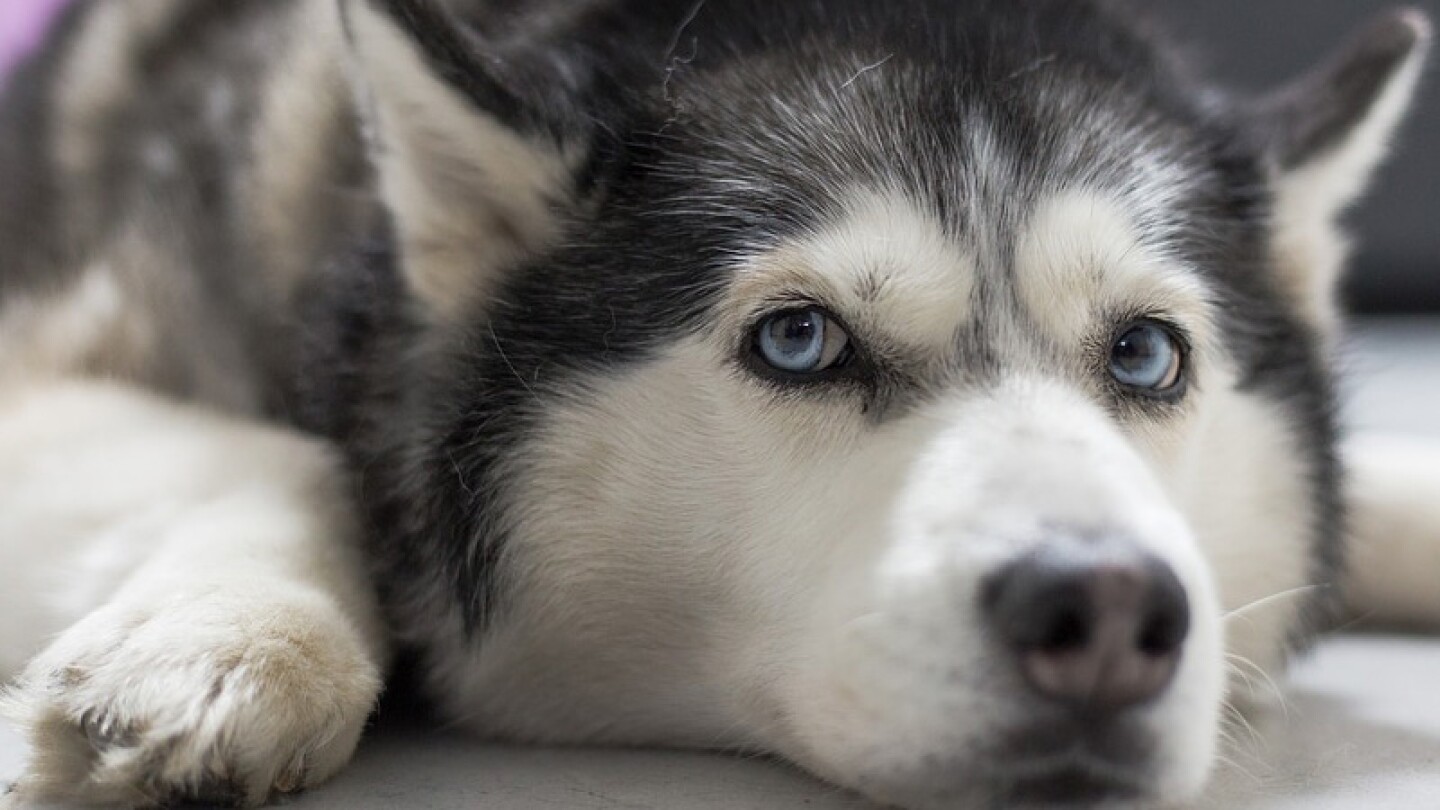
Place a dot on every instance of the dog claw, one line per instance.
(97, 727)
(290, 781)
(103, 730)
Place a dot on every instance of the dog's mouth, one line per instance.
(1075, 781)
(1055, 767)
(1120, 743)
(1071, 765)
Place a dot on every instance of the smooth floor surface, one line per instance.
(1359, 727)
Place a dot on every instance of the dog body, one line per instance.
(934, 393)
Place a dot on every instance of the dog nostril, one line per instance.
(1165, 620)
(1163, 634)
(1159, 637)
(1069, 630)
(1092, 626)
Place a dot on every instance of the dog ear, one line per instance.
(1325, 133)
(475, 147)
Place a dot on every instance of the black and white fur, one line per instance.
(303, 300)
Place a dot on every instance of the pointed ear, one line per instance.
(475, 171)
(1325, 134)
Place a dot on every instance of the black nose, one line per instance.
(1094, 627)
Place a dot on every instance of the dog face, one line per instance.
(931, 393)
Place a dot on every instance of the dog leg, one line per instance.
(227, 643)
(1394, 571)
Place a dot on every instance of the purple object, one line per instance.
(23, 24)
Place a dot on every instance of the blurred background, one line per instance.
(1251, 45)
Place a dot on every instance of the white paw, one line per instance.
(205, 698)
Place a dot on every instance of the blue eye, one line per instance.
(801, 341)
(1146, 356)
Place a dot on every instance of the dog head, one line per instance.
(933, 393)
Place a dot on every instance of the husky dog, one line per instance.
(936, 393)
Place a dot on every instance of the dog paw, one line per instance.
(207, 699)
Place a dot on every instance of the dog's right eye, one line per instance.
(801, 341)
(1147, 357)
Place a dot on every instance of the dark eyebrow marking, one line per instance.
(872, 282)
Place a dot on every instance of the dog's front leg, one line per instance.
(229, 646)
(1394, 566)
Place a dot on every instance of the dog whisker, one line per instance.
(1265, 676)
(1249, 607)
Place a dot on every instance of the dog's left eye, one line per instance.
(801, 341)
(1147, 357)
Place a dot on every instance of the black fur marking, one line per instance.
(749, 140)
(705, 165)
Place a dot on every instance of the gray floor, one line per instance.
(1360, 727)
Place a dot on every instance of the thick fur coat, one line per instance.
(469, 331)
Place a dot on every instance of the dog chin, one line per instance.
(1076, 782)
(1160, 757)
(992, 747)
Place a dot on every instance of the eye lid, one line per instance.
(855, 368)
(1166, 321)
(786, 300)
(1183, 343)
(801, 341)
